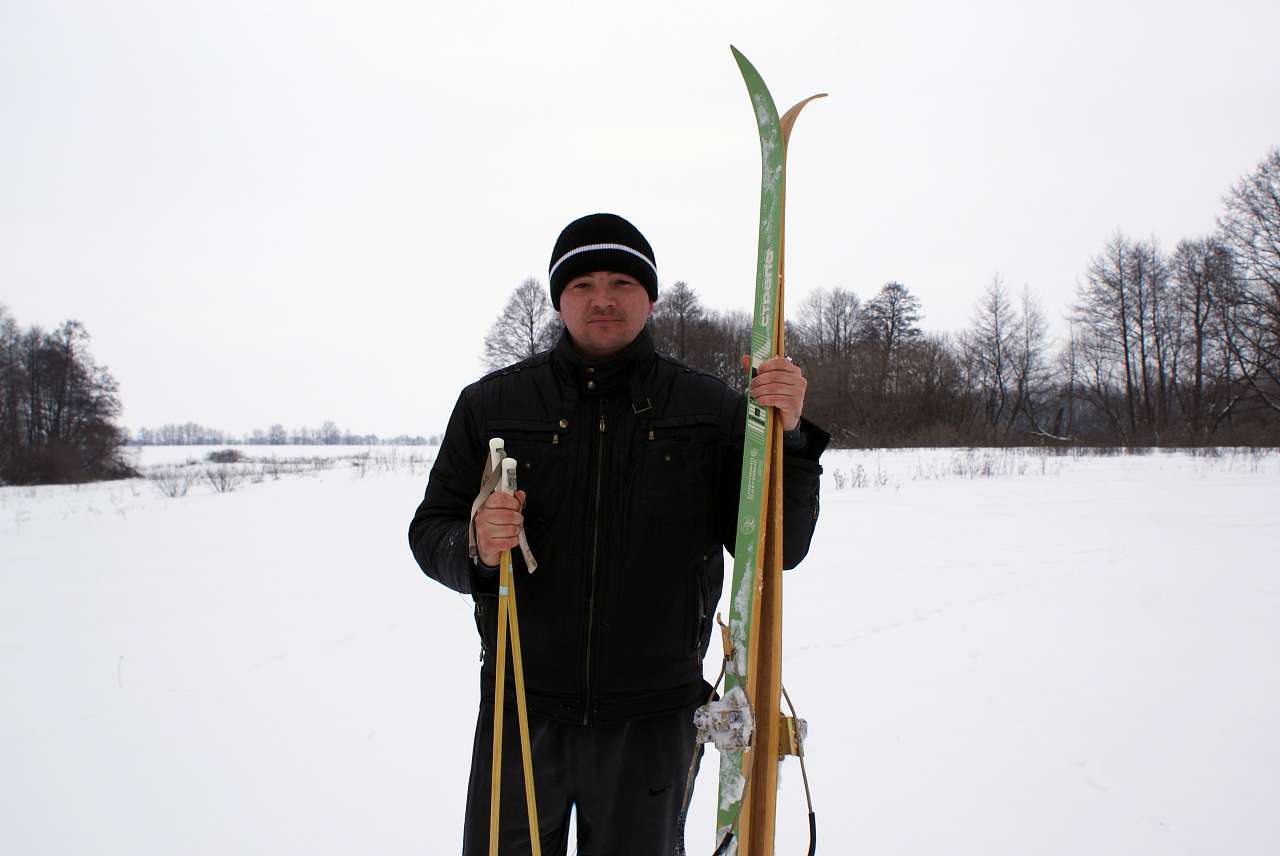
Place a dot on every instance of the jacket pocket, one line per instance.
(539, 448)
(677, 451)
(676, 479)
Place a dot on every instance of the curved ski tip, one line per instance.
(788, 119)
(742, 61)
(799, 105)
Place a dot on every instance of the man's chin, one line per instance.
(602, 344)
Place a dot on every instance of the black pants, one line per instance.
(626, 779)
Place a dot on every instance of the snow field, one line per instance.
(998, 652)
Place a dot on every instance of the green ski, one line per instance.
(752, 697)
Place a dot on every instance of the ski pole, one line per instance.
(500, 667)
(508, 616)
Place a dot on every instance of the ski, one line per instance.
(753, 675)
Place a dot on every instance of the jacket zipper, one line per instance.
(595, 565)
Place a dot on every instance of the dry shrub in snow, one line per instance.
(224, 478)
(361, 463)
(388, 460)
(171, 481)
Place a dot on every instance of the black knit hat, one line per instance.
(601, 242)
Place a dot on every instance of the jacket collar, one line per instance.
(624, 370)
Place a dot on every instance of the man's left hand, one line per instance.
(780, 383)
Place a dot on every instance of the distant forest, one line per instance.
(328, 434)
(1176, 347)
(1164, 348)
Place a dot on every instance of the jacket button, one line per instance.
(591, 384)
(564, 423)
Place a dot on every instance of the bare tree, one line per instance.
(1151, 326)
(675, 320)
(829, 324)
(1103, 382)
(890, 320)
(12, 383)
(1105, 311)
(704, 339)
(825, 341)
(1004, 357)
(527, 325)
(932, 402)
(988, 352)
(1203, 283)
(1030, 366)
(1069, 374)
(723, 338)
(1251, 228)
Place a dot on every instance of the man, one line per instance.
(629, 465)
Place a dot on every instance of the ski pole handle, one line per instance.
(507, 484)
(496, 453)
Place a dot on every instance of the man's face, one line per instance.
(604, 312)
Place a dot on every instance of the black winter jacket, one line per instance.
(631, 470)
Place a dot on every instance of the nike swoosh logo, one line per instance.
(653, 792)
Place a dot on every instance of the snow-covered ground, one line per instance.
(998, 652)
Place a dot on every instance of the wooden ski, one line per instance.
(748, 777)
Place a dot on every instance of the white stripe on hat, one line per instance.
(593, 247)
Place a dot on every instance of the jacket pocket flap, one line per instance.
(684, 421)
(509, 424)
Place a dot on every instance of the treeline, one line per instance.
(328, 434)
(1163, 348)
(57, 407)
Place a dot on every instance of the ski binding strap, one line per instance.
(728, 722)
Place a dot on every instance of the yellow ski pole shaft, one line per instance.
(500, 667)
(507, 613)
(499, 702)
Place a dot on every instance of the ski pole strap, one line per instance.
(489, 482)
(489, 479)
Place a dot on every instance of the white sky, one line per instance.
(292, 212)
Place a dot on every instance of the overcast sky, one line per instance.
(293, 212)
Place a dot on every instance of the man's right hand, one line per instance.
(498, 525)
